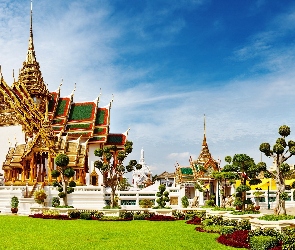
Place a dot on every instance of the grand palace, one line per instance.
(52, 124)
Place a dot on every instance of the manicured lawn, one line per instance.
(20, 232)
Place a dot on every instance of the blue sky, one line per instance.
(167, 63)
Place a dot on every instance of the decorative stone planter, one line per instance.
(215, 213)
(113, 212)
(164, 211)
(280, 224)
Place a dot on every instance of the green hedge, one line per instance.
(263, 242)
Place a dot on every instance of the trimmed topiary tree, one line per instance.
(242, 167)
(65, 173)
(280, 152)
(163, 196)
(110, 164)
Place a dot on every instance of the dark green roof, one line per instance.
(187, 171)
(81, 112)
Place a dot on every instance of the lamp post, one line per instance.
(268, 205)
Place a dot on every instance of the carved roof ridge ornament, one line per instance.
(73, 92)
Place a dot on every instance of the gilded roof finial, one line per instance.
(31, 53)
(204, 140)
(62, 81)
(74, 89)
(13, 75)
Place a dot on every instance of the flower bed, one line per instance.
(50, 216)
(238, 239)
(161, 218)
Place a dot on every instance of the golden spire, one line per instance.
(30, 76)
(204, 140)
(31, 57)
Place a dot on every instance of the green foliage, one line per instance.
(110, 164)
(228, 159)
(278, 148)
(284, 167)
(281, 141)
(263, 242)
(289, 241)
(163, 196)
(85, 216)
(62, 195)
(284, 131)
(69, 172)
(284, 196)
(199, 187)
(243, 188)
(62, 160)
(72, 184)
(14, 202)
(207, 222)
(272, 217)
(227, 229)
(265, 148)
(146, 203)
(55, 183)
(238, 202)
(184, 202)
(55, 201)
(55, 173)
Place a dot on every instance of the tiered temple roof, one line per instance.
(52, 124)
(200, 168)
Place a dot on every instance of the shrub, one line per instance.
(14, 202)
(184, 202)
(243, 225)
(207, 222)
(146, 203)
(55, 201)
(213, 228)
(40, 196)
(265, 232)
(271, 217)
(178, 215)
(288, 242)
(85, 216)
(74, 214)
(227, 230)
(142, 216)
(217, 220)
(263, 242)
(126, 215)
(228, 222)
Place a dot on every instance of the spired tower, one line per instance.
(200, 171)
(51, 125)
(142, 177)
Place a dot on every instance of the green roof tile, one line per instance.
(187, 171)
(82, 112)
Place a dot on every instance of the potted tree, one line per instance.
(238, 203)
(14, 204)
(257, 195)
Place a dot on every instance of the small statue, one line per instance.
(195, 202)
